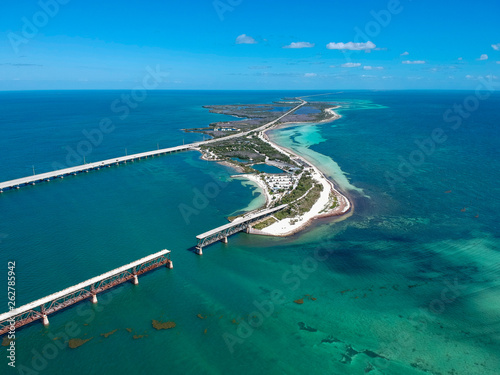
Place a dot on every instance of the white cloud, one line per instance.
(368, 67)
(498, 62)
(245, 39)
(310, 75)
(300, 45)
(483, 57)
(468, 76)
(352, 46)
(350, 65)
(460, 58)
(414, 62)
(406, 53)
(496, 47)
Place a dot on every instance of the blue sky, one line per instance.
(240, 44)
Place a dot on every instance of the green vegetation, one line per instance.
(231, 218)
(246, 168)
(255, 115)
(265, 223)
(250, 148)
(335, 202)
(305, 183)
(302, 206)
(305, 204)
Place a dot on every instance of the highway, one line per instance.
(61, 173)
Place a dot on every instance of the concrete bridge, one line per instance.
(61, 173)
(240, 224)
(41, 308)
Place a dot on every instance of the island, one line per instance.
(285, 177)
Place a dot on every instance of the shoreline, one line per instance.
(289, 226)
(343, 207)
(260, 183)
(335, 116)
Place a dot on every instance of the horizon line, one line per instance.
(264, 90)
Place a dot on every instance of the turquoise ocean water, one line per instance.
(408, 284)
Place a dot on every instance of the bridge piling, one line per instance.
(15, 184)
(240, 224)
(84, 291)
(45, 320)
(84, 168)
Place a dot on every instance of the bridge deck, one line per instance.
(239, 221)
(65, 292)
(123, 159)
(84, 167)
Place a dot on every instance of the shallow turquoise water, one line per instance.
(379, 278)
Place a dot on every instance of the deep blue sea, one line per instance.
(409, 284)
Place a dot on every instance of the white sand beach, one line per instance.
(321, 208)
